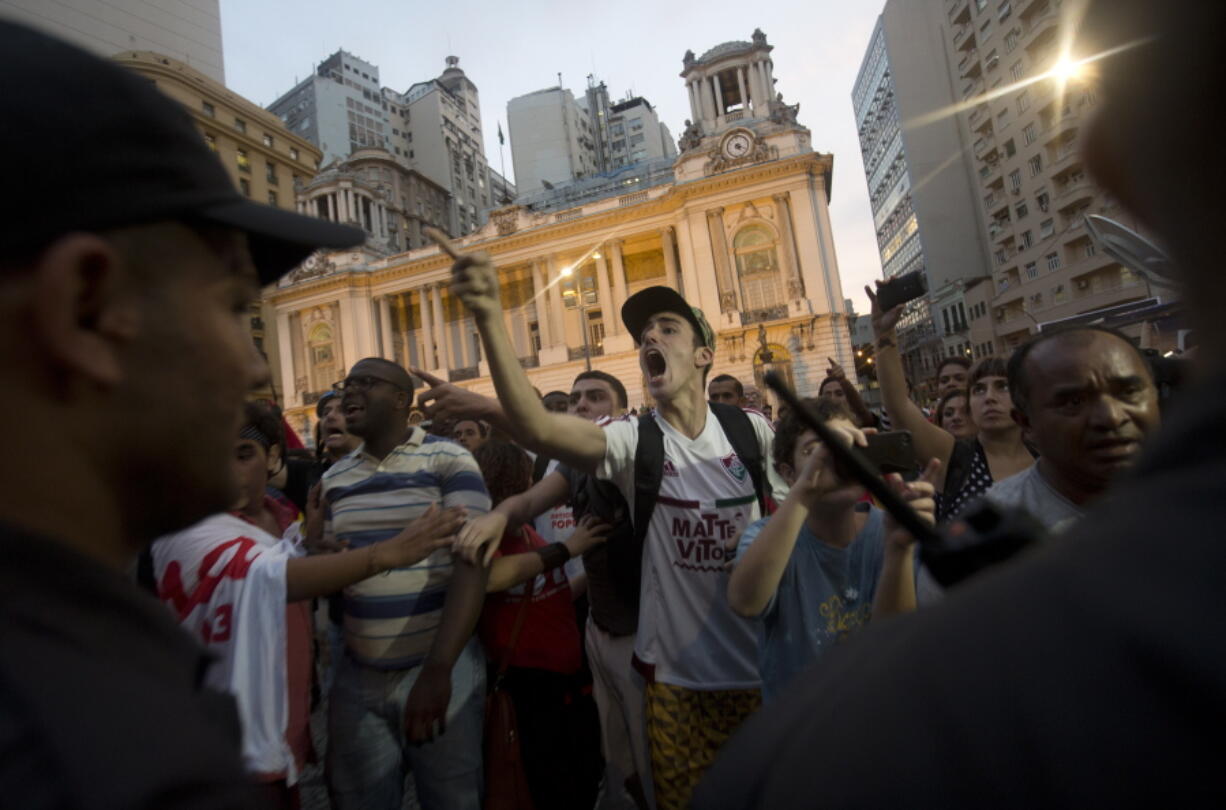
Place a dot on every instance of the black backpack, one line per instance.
(624, 547)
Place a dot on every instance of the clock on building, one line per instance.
(737, 144)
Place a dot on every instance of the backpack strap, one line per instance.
(539, 465)
(648, 474)
(744, 440)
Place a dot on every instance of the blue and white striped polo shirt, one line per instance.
(391, 618)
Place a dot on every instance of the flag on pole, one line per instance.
(501, 140)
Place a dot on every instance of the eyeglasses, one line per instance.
(362, 382)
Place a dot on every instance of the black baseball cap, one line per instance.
(639, 308)
(96, 146)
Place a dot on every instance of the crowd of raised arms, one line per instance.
(558, 600)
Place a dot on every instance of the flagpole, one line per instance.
(502, 165)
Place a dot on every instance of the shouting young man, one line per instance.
(698, 657)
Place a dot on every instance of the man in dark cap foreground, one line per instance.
(127, 264)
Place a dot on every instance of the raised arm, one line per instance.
(930, 441)
(855, 402)
(578, 442)
(485, 531)
(896, 583)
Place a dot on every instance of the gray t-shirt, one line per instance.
(826, 594)
(1029, 490)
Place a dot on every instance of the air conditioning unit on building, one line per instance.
(1000, 313)
(1083, 284)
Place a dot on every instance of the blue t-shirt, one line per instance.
(825, 594)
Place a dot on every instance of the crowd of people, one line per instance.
(548, 600)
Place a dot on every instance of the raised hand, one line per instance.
(835, 372)
(883, 322)
(448, 402)
(434, 529)
(473, 278)
(921, 495)
(482, 533)
(589, 531)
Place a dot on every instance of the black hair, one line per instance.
(483, 428)
(603, 376)
(397, 375)
(990, 366)
(826, 382)
(791, 427)
(1019, 383)
(956, 360)
(562, 394)
(506, 468)
(723, 378)
(266, 420)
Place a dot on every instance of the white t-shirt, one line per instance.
(556, 525)
(687, 630)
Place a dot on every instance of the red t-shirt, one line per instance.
(549, 638)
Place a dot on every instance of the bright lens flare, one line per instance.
(567, 271)
(1067, 69)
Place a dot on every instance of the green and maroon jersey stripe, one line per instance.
(720, 504)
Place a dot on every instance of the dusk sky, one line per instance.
(511, 48)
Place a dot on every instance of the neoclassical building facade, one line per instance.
(738, 223)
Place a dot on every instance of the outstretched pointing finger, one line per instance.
(428, 379)
(439, 238)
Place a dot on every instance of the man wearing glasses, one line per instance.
(409, 692)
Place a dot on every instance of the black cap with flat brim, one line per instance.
(122, 154)
(640, 307)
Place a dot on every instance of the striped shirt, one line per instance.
(391, 618)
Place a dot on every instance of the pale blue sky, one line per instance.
(511, 48)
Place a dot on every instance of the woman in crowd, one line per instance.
(968, 466)
(954, 415)
(542, 661)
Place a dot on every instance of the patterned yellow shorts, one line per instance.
(685, 729)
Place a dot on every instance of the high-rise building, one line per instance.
(433, 128)
(738, 223)
(266, 161)
(557, 138)
(921, 190)
(188, 31)
(1025, 123)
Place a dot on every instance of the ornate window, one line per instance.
(757, 268)
(322, 357)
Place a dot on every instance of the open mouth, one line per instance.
(656, 366)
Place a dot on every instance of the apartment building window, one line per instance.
(1043, 200)
(293, 153)
(1032, 270)
(1046, 228)
(1023, 101)
(244, 185)
(1011, 41)
(1089, 250)
(207, 109)
(240, 125)
(272, 198)
(980, 5)
(1015, 179)
(1058, 294)
(270, 173)
(1005, 11)
(210, 141)
(1053, 261)
(1017, 71)
(1027, 239)
(268, 140)
(244, 164)
(1036, 165)
(1021, 210)
(1010, 149)
(1030, 133)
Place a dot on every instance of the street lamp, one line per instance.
(581, 305)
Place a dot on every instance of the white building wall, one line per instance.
(187, 30)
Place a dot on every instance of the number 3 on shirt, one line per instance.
(218, 628)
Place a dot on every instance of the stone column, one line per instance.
(603, 298)
(440, 328)
(740, 83)
(708, 100)
(770, 77)
(289, 393)
(791, 267)
(728, 296)
(385, 328)
(556, 312)
(540, 301)
(406, 358)
(427, 328)
(668, 246)
(619, 285)
(719, 96)
(332, 207)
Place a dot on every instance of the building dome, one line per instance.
(725, 49)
